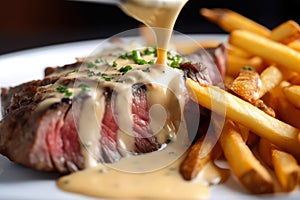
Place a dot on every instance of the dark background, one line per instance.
(33, 23)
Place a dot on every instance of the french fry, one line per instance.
(279, 133)
(287, 74)
(266, 49)
(197, 157)
(284, 109)
(287, 112)
(235, 63)
(286, 169)
(230, 20)
(249, 137)
(292, 93)
(286, 32)
(284, 164)
(270, 77)
(238, 52)
(295, 45)
(264, 149)
(243, 163)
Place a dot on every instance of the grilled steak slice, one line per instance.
(25, 134)
(13, 97)
(48, 139)
(41, 130)
(214, 59)
(144, 140)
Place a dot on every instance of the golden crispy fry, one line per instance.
(279, 133)
(266, 49)
(197, 157)
(287, 74)
(287, 112)
(244, 131)
(295, 45)
(249, 137)
(285, 165)
(270, 77)
(243, 163)
(238, 52)
(286, 32)
(292, 93)
(286, 169)
(230, 20)
(264, 149)
(235, 63)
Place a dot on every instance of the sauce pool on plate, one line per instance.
(161, 181)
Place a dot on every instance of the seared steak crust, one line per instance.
(46, 138)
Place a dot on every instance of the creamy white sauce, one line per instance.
(151, 175)
(90, 128)
(160, 19)
(107, 182)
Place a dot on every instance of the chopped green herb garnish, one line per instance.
(175, 64)
(83, 87)
(147, 51)
(248, 68)
(176, 60)
(151, 62)
(90, 64)
(107, 78)
(68, 93)
(125, 69)
(63, 89)
(125, 56)
(137, 58)
(115, 64)
(91, 73)
(98, 60)
(99, 74)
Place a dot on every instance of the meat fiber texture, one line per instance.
(48, 139)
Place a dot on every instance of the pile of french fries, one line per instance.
(262, 151)
(264, 158)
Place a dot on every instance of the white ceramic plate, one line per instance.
(18, 182)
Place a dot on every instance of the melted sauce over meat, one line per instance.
(150, 175)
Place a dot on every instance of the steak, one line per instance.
(41, 131)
